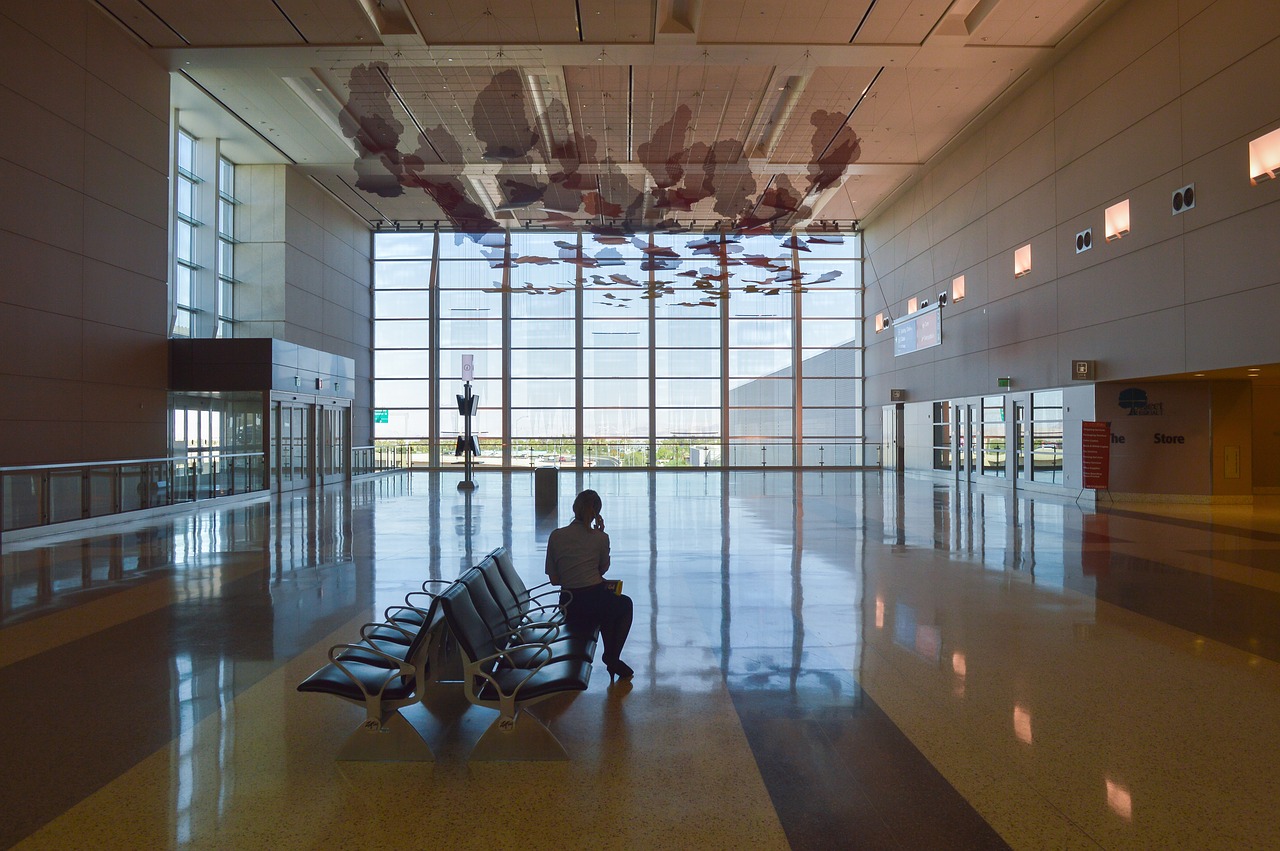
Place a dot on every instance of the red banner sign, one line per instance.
(1095, 454)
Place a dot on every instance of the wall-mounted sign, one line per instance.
(381, 415)
(1004, 383)
(468, 367)
(920, 330)
(1084, 370)
(897, 395)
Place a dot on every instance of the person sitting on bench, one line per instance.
(577, 559)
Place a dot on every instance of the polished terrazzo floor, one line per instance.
(838, 660)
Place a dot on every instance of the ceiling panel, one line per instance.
(1031, 22)
(773, 22)
(617, 21)
(495, 21)
(330, 21)
(143, 23)
(901, 21)
(226, 22)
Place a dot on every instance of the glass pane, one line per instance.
(542, 422)
(186, 151)
(689, 421)
(401, 276)
(402, 363)
(625, 422)
(486, 363)
(470, 334)
(388, 393)
(615, 392)
(828, 333)
(692, 363)
(182, 282)
(762, 391)
(403, 424)
(615, 333)
(401, 304)
(760, 332)
(749, 363)
(546, 393)
(391, 246)
(615, 363)
(542, 332)
(820, 303)
(688, 392)
(829, 392)
(400, 334)
(760, 422)
(540, 363)
(688, 333)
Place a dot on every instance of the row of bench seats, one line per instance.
(487, 632)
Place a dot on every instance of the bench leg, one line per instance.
(395, 740)
(519, 738)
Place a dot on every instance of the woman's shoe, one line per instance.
(619, 669)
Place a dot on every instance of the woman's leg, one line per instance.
(615, 625)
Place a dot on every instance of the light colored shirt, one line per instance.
(577, 556)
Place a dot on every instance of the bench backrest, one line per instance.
(474, 637)
(489, 609)
(507, 569)
(514, 609)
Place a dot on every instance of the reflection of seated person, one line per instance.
(577, 559)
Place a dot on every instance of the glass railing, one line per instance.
(380, 458)
(57, 493)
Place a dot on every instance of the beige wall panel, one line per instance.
(121, 356)
(1138, 283)
(964, 332)
(1213, 42)
(26, 397)
(1012, 128)
(303, 234)
(339, 323)
(120, 181)
(1265, 443)
(39, 441)
(1188, 9)
(120, 403)
(1149, 344)
(40, 73)
(25, 348)
(1224, 176)
(57, 219)
(1234, 255)
(59, 23)
(113, 57)
(1019, 219)
(109, 441)
(121, 297)
(958, 210)
(1025, 316)
(1242, 100)
(1030, 363)
(1144, 87)
(1000, 280)
(260, 189)
(40, 276)
(956, 253)
(1231, 429)
(1234, 330)
(1138, 26)
(126, 126)
(1026, 165)
(303, 270)
(305, 308)
(48, 145)
(115, 237)
(1106, 174)
(961, 167)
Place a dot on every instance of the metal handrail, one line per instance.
(159, 460)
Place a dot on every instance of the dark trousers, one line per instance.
(599, 608)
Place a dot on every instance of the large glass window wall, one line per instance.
(603, 349)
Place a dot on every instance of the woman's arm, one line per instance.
(550, 568)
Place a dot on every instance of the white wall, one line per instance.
(1162, 95)
(84, 150)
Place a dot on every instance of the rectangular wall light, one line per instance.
(1264, 157)
(913, 304)
(1117, 220)
(879, 322)
(1022, 261)
(957, 288)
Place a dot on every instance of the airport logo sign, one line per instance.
(1135, 401)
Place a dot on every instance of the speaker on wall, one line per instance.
(1084, 240)
(1184, 199)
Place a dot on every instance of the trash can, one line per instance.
(546, 485)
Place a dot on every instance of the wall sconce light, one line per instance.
(297, 381)
(881, 324)
(1084, 240)
(1184, 199)
(1117, 220)
(1264, 157)
(942, 299)
(1022, 261)
(957, 288)
(913, 304)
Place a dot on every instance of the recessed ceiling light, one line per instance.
(1199, 375)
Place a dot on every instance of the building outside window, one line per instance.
(652, 350)
(1046, 436)
(225, 257)
(942, 435)
(994, 437)
(186, 224)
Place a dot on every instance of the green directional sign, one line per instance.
(381, 415)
